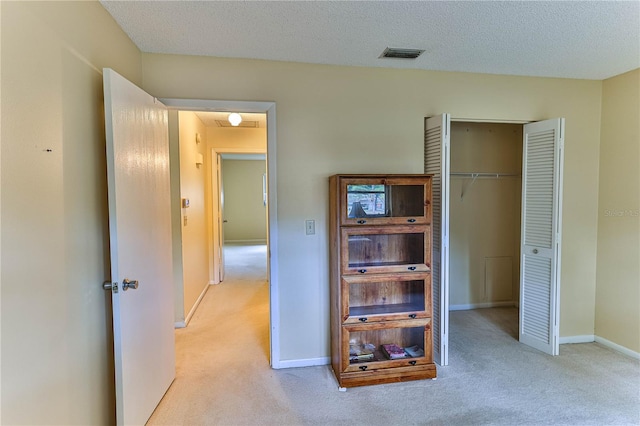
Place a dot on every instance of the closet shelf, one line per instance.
(480, 175)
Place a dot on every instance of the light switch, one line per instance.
(310, 226)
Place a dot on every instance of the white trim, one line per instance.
(309, 362)
(470, 306)
(213, 283)
(185, 322)
(196, 304)
(617, 347)
(590, 338)
(245, 242)
(484, 120)
(586, 338)
(270, 109)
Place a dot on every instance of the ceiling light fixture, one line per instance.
(235, 119)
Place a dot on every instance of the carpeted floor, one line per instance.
(223, 374)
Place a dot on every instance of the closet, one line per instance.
(485, 200)
(485, 176)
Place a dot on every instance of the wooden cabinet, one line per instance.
(380, 237)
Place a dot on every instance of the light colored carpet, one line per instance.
(224, 378)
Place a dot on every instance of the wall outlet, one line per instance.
(310, 226)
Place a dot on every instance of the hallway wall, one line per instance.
(244, 210)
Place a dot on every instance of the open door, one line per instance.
(436, 162)
(140, 239)
(543, 153)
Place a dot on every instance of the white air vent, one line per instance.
(398, 53)
(244, 123)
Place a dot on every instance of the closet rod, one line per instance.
(474, 175)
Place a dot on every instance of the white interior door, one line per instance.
(140, 239)
(543, 153)
(436, 162)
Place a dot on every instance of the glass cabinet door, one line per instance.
(386, 297)
(385, 200)
(386, 249)
(400, 343)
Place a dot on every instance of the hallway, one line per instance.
(226, 343)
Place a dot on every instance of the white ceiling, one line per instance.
(572, 39)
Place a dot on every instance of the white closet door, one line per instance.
(436, 162)
(541, 231)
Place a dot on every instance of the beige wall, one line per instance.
(193, 219)
(244, 209)
(618, 275)
(57, 348)
(333, 119)
(485, 215)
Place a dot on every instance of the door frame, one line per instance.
(268, 108)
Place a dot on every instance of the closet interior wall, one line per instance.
(485, 215)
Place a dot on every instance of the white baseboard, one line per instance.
(587, 338)
(617, 347)
(213, 283)
(294, 363)
(590, 338)
(196, 304)
(480, 306)
(179, 324)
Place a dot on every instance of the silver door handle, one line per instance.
(535, 251)
(129, 284)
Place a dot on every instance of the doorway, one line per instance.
(485, 225)
(269, 110)
(242, 196)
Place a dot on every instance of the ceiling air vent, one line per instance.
(243, 123)
(398, 53)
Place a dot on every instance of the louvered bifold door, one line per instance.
(541, 232)
(436, 162)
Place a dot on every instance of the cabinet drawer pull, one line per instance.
(412, 268)
(362, 271)
(412, 315)
(361, 221)
(363, 367)
(411, 220)
(363, 319)
(412, 362)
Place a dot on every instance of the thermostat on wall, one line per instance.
(185, 203)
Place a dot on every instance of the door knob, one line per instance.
(535, 251)
(129, 284)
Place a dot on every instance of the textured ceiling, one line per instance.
(575, 39)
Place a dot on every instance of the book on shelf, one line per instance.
(414, 351)
(360, 352)
(393, 351)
